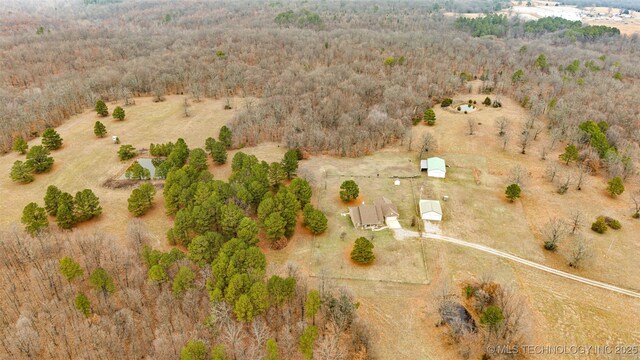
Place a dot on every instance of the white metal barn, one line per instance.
(430, 210)
(436, 167)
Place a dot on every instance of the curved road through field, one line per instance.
(404, 233)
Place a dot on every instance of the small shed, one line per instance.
(436, 167)
(430, 210)
(423, 165)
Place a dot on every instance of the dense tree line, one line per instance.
(624, 4)
(330, 83)
(88, 296)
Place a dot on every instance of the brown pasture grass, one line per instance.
(396, 293)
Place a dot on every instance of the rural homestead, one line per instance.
(335, 179)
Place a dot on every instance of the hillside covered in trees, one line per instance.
(329, 67)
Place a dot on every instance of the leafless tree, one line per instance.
(429, 143)
(576, 220)
(502, 124)
(525, 137)
(536, 131)
(555, 136)
(515, 327)
(543, 153)
(563, 187)
(471, 126)
(518, 174)
(505, 139)
(580, 253)
(185, 107)
(554, 230)
(582, 175)
(635, 199)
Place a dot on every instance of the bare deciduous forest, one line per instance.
(332, 77)
(139, 318)
(347, 84)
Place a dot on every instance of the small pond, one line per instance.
(149, 164)
(466, 108)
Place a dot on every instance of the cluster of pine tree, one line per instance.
(38, 157)
(67, 209)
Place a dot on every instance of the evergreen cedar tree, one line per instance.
(570, 154)
(70, 210)
(194, 350)
(312, 305)
(362, 251)
(349, 190)
(99, 129)
(280, 289)
(127, 152)
(541, 62)
(203, 248)
(137, 172)
(430, 117)
(87, 205)
(141, 199)
(487, 101)
(83, 304)
(21, 172)
(118, 113)
(183, 281)
(157, 274)
(272, 350)
(198, 159)
(38, 159)
(101, 281)
(513, 192)
(274, 227)
(217, 149)
(65, 218)
(101, 108)
(492, 317)
(69, 268)
(302, 190)
(615, 186)
(597, 137)
(244, 309)
(218, 353)
(51, 200)
(224, 136)
(517, 76)
(20, 145)
(600, 225)
(290, 162)
(307, 340)
(34, 219)
(314, 219)
(276, 174)
(51, 139)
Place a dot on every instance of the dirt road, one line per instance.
(403, 234)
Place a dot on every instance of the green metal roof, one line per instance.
(436, 163)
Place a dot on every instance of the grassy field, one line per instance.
(478, 213)
(396, 292)
(85, 161)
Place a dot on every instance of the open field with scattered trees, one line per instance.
(177, 180)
